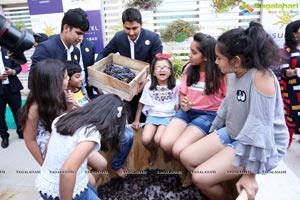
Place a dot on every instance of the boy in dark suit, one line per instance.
(63, 46)
(10, 95)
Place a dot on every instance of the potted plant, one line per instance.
(224, 5)
(144, 4)
(177, 31)
(178, 64)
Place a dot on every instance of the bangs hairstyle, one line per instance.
(254, 45)
(46, 91)
(73, 68)
(171, 79)
(101, 114)
(213, 75)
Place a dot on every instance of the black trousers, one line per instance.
(14, 101)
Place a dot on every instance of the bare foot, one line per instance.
(167, 157)
(122, 172)
(187, 181)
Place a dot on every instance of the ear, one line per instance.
(237, 61)
(66, 27)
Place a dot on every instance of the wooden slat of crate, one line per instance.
(110, 84)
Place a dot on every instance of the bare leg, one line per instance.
(174, 129)
(190, 160)
(159, 132)
(210, 175)
(147, 139)
(98, 163)
(190, 135)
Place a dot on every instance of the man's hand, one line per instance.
(3, 76)
(142, 83)
(10, 71)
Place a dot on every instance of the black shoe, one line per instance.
(5, 142)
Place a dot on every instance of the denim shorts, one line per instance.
(89, 193)
(158, 120)
(199, 118)
(225, 139)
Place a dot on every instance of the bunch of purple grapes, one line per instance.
(119, 72)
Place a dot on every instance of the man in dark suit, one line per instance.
(63, 46)
(10, 94)
(136, 43)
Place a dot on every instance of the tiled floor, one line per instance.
(18, 171)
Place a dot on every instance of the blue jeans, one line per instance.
(199, 118)
(225, 139)
(118, 160)
(89, 193)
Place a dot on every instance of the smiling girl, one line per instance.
(159, 101)
(202, 90)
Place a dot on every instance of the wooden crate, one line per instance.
(110, 84)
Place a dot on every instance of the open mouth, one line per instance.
(162, 75)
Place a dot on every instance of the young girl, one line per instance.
(250, 135)
(74, 136)
(159, 101)
(202, 90)
(46, 100)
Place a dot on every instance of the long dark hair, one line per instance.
(46, 91)
(254, 45)
(171, 79)
(106, 114)
(290, 39)
(213, 75)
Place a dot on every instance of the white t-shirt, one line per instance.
(161, 101)
(58, 150)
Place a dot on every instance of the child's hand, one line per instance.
(135, 125)
(186, 104)
(248, 182)
(70, 99)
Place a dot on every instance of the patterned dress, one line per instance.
(42, 137)
(290, 89)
